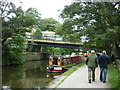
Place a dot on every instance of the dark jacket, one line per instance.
(104, 60)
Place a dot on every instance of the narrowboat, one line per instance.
(56, 69)
(56, 65)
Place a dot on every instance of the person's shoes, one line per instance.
(104, 81)
(93, 80)
(90, 81)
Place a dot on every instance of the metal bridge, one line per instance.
(54, 41)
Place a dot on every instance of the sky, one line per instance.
(47, 8)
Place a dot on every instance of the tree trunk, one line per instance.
(110, 50)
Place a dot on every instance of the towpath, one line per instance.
(78, 79)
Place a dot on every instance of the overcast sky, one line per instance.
(47, 8)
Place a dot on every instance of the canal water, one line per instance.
(32, 74)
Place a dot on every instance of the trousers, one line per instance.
(103, 74)
(91, 73)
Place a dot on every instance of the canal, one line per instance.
(32, 74)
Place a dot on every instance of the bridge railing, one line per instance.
(40, 37)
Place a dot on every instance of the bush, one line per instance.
(13, 51)
(12, 57)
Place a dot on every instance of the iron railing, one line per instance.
(40, 37)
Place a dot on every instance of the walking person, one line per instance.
(103, 62)
(91, 62)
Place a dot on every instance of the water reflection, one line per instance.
(30, 75)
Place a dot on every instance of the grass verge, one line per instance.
(114, 77)
(71, 69)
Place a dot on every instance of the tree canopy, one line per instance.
(48, 24)
(99, 21)
(17, 21)
(15, 24)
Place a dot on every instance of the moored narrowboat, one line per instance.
(56, 69)
(58, 64)
(55, 65)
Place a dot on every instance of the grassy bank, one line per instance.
(113, 77)
(72, 68)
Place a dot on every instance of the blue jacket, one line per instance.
(104, 60)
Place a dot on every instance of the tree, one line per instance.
(21, 22)
(48, 24)
(38, 34)
(58, 28)
(15, 24)
(96, 20)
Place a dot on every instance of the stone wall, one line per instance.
(36, 56)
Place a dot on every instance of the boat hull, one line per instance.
(56, 69)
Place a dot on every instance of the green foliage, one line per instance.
(38, 34)
(70, 65)
(48, 24)
(16, 47)
(67, 51)
(58, 29)
(47, 49)
(15, 24)
(71, 71)
(72, 68)
(57, 50)
(113, 76)
(12, 55)
(96, 20)
(32, 17)
(13, 50)
(17, 20)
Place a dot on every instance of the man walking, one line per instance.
(91, 61)
(103, 62)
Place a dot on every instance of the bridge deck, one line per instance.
(52, 41)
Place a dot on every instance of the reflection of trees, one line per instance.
(30, 75)
(36, 73)
(13, 73)
(36, 64)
